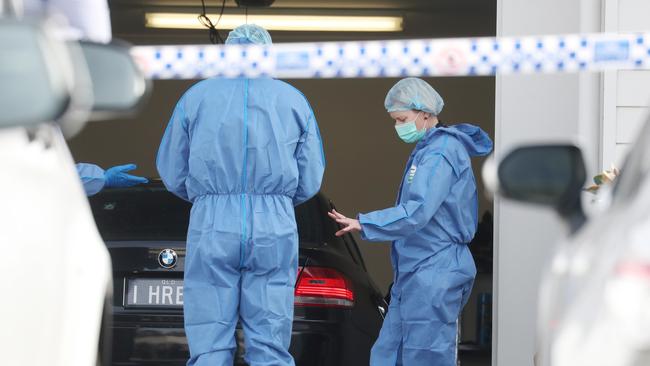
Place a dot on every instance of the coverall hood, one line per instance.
(473, 138)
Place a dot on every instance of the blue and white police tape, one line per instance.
(400, 58)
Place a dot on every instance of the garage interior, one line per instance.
(365, 159)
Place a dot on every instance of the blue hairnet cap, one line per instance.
(249, 34)
(413, 94)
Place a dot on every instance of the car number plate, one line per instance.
(154, 292)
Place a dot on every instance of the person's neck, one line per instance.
(434, 122)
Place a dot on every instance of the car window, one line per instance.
(310, 223)
(317, 230)
(345, 244)
(635, 169)
(152, 213)
(140, 213)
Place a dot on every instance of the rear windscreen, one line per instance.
(154, 214)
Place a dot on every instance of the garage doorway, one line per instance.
(365, 157)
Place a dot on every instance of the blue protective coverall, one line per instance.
(92, 178)
(433, 221)
(244, 152)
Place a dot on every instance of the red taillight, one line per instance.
(323, 287)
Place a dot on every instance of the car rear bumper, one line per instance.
(160, 340)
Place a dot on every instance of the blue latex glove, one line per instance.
(117, 176)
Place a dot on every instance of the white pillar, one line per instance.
(536, 108)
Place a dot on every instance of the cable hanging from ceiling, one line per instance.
(215, 36)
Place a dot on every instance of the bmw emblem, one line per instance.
(167, 258)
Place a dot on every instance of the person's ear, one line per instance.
(427, 116)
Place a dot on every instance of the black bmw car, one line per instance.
(338, 308)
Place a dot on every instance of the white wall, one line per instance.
(626, 92)
(533, 109)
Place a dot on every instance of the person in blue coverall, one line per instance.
(94, 178)
(244, 152)
(430, 226)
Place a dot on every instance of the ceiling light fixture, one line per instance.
(308, 23)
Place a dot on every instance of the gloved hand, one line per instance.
(117, 177)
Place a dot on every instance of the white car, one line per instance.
(595, 294)
(56, 286)
(57, 273)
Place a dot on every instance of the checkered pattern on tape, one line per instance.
(198, 62)
(435, 57)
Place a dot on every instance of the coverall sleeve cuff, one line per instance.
(365, 228)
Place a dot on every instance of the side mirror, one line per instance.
(44, 79)
(35, 75)
(118, 85)
(550, 175)
(108, 84)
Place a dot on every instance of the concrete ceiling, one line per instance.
(422, 18)
(329, 4)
